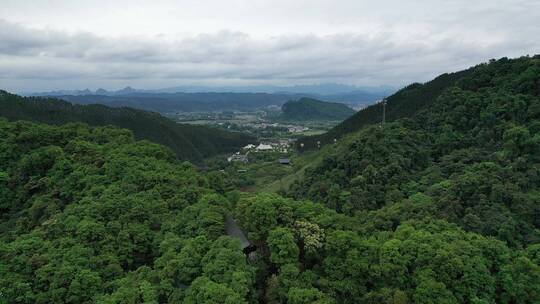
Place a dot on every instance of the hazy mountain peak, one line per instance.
(102, 91)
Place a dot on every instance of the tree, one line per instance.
(205, 291)
(521, 281)
(262, 213)
(305, 296)
(283, 247)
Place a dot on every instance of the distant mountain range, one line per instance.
(100, 91)
(328, 89)
(185, 102)
(191, 99)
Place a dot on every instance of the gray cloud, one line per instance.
(400, 52)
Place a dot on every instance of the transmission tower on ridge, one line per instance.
(383, 112)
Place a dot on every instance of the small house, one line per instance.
(284, 161)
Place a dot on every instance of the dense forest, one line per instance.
(404, 103)
(188, 142)
(91, 216)
(472, 156)
(442, 206)
(313, 109)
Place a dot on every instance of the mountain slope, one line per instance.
(88, 215)
(404, 103)
(441, 207)
(188, 142)
(313, 109)
(471, 156)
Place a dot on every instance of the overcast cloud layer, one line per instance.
(46, 45)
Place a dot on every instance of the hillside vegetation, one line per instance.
(91, 216)
(404, 103)
(187, 141)
(471, 157)
(88, 215)
(439, 207)
(313, 109)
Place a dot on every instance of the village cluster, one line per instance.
(280, 146)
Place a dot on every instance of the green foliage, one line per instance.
(261, 214)
(517, 76)
(423, 260)
(205, 291)
(305, 296)
(441, 207)
(516, 281)
(470, 155)
(89, 215)
(283, 248)
(187, 142)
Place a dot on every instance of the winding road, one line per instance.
(233, 230)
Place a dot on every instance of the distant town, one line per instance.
(265, 125)
(281, 146)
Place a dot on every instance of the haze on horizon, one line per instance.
(51, 45)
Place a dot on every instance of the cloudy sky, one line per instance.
(46, 45)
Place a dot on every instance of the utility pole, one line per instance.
(383, 112)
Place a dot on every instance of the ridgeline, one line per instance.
(188, 142)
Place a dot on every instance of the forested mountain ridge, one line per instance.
(471, 157)
(88, 215)
(442, 207)
(187, 141)
(313, 109)
(413, 98)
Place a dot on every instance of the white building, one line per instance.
(238, 158)
(264, 147)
